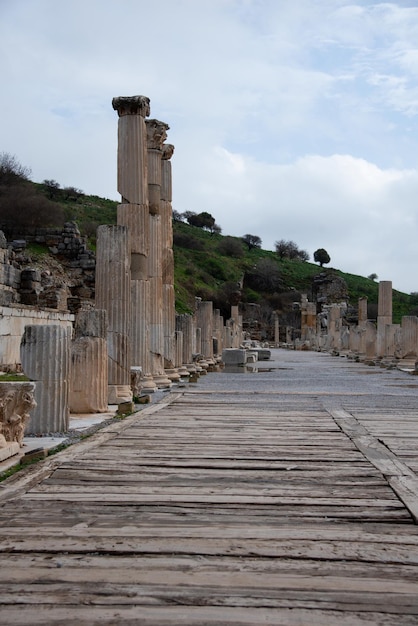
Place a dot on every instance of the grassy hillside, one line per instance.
(210, 265)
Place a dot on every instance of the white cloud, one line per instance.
(292, 120)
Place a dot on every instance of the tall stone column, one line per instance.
(113, 294)
(133, 213)
(384, 316)
(169, 308)
(89, 376)
(156, 135)
(45, 358)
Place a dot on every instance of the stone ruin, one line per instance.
(80, 357)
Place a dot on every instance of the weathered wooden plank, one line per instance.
(272, 548)
(198, 616)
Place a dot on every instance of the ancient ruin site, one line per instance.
(165, 468)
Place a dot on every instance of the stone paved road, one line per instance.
(285, 496)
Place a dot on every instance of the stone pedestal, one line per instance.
(89, 375)
(45, 358)
(113, 294)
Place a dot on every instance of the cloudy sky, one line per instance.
(291, 119)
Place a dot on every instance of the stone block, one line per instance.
(234, 356)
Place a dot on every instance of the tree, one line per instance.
(289, 250)
(373, 276)
(11, 171)
(321, 256)
(52, 188)
(202, 220)
(252, 241)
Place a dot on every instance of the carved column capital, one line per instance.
(132, 105)
(156, 134)
(168, 151)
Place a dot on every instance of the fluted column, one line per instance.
(186, 324)
(113, 294)
(156, 135)
(45, 358)
(134, 214)
(204, 320)
(169, 308)
(409, 329)
(89, 375)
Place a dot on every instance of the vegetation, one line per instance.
(321, 256)
(224, 269)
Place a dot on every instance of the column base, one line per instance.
(118, 393)
(162, 381)
(173, 374)
(148, 384)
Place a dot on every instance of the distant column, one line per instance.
(384, 316)
(186, 324)
(45, 358)
(113, 294)
(204, 320)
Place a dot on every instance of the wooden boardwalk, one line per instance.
(217, 506)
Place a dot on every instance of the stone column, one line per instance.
(186, 324)
(362, 312)
(45, 358)
(409, 328)
(169, 308)
(384, 316)
(89, 376)
(134, 214)
(156, 135)
(113, 294)
(204, 320)
(276, 330)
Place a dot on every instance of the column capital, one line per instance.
(132, 105)
(156, 134)
(168, 151)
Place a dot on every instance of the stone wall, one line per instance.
(13, 320)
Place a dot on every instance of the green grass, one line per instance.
(202, 270)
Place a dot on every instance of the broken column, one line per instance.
(384, 317)
(409, 328)
(45, 358)
(113, 294)
(16, 403)
(89, 375)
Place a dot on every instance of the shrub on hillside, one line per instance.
(230, 246)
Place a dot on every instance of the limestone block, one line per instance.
(132, 159)
(16, 402)
(45, 357)
(234, 356)
(136, 218)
